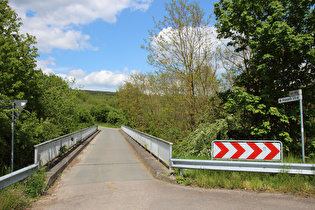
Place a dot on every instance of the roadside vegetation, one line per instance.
(299, 185)
(20, 195)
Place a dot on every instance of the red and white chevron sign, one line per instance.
(246, 150)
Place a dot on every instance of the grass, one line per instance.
(20, 195)
(300, 185)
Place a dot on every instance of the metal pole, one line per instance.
(12, 139)
(302, 128)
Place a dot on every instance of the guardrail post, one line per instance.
(35, 155)
(181, 172)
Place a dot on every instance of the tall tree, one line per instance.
(182, 44)
(18, 79)
(280, 36)
(17, 57)
(52, 109)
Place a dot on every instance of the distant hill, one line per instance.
(96, 92)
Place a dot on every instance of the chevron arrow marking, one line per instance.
(239, 148)
(273, 151)
(223, 151)
(256, 151)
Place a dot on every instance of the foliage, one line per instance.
(154, 104)
(198, 143)
(53, 108)
(104, 108)
(17, 57)
(280, 38)
(181, 46)
(116, 117)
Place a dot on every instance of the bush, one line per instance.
(198, 143)
(116, 117)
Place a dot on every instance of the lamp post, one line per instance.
(17, 106)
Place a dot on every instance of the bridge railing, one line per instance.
(158, 147)
(49, 150)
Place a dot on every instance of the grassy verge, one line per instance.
(20, 195)
(300, 185)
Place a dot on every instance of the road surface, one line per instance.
(108, 175)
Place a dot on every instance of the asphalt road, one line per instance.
(108, 175)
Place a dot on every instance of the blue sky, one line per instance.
(95, 42)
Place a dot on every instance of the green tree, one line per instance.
(18, 79)
(17, 58)
(53, 108)
(181, 44)
(280, 36)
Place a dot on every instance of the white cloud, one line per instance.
(43, 65)
(55, 23)
(79, 73)
(100, 80)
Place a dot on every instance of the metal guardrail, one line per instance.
(16, 176)
(160, 148)
(47, 151)
(263, 167)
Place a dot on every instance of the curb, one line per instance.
(155, 167)
(54, 172)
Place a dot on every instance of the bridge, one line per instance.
(113, 172)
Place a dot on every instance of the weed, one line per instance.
(63, 149)
(11, 198)
(34, 185)
(180, 179)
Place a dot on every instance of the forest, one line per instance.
(210, 83)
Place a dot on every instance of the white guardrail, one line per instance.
(47, 151)
(163, 150)
(262, 167)
(160, 148)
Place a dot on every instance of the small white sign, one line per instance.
(295, 92)
(289, 99)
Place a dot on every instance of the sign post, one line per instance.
(296, 95)
(17, 107)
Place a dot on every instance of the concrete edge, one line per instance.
(54, 172)
(155, 167)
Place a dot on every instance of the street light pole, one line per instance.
(17, 107)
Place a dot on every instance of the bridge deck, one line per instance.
(107, 159)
